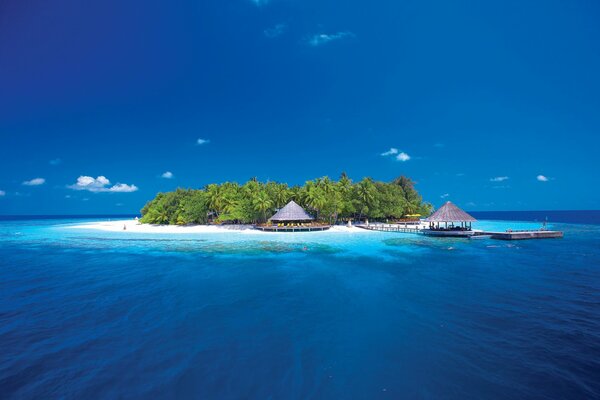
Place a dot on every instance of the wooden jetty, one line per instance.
(523, 235)
(449, 233)
(389, 228)
(441, 233)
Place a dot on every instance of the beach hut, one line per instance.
(291, 213)
(292, 218)
(449, 214)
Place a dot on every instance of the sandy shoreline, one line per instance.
(133, 226)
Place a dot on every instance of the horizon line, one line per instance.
(130, 214)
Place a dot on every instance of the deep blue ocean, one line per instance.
(88, 314)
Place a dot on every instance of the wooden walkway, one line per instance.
(388, 228)
(523, 235)
(512, 235)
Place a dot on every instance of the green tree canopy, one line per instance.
(254, 201)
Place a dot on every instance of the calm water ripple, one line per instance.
(87, 314)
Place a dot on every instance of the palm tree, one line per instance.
(344, 184)
(413, 200)
(282, 195)
(365, 192)
(261, 202)
(161, 216)
(215, 197)
(251, 187)
(330, 195)
(344, 189)
(314, 197)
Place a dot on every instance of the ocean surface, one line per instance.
(88, 314)
(568, 216)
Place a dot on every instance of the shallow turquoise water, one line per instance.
(92, 314)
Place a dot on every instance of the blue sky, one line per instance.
(493, 105)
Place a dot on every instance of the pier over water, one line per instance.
(472, 234)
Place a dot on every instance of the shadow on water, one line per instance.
(426, 243)
(134, 240)
(205, 247)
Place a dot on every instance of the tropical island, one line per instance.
(328, 201)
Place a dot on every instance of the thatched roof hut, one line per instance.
(291, 212)
(449, 213)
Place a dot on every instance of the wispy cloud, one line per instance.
(167, 175)
(101, 184)
(55, 162)
(2, 193)
(35, 182)
(499, 179)
(398, 155)
(200, 142)
(324, 38)
(439, 145)
(390, 152)
(444, 195)
(275, 31)
(260, 3)
(403, 157)
(542, 178)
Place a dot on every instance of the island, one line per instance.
(328, 201)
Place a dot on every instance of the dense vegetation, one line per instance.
(254, 202)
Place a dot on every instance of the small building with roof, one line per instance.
(456, 222)
(292, 218)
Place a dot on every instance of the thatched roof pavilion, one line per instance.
(291, 218)
(450, 213)
(291, 212)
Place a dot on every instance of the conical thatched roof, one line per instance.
(291, 212)
(449, 213)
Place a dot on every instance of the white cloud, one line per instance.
(167, 175)
(101, 184)
(444, 195)
(542, 178)
(68, 196)
(390, 152)
(399, 155)
(200, 142)
(499, 179)
(324, 38)
(403, 157)
(122, 188)
(2, 193)
(55, 162)
(35, 182)
(275, 31)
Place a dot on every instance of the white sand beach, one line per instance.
(133, 226)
